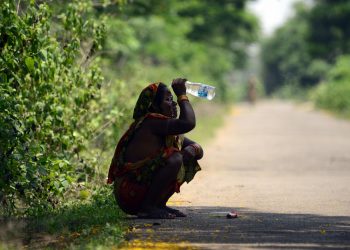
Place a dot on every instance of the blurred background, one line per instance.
(71, 72)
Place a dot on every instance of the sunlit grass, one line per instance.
(210, 116)
(94, 223)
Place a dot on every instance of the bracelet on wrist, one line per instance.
(182, 98)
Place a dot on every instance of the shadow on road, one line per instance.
(208, 227)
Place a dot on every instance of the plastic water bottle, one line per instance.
(200, 90)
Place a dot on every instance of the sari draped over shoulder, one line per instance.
(132, 179)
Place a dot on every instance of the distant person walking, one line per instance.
(251, 93)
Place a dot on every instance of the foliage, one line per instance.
(285, 57)
(160, 44)
(334, 93)
(224, 24)
(329, 33)
(320, 34)
(48, 89)
(292, 91)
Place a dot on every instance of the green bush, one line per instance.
(291, 91)
(334, 93)
(48, 87)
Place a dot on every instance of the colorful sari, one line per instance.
(132, 179)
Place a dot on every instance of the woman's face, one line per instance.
(168, 106)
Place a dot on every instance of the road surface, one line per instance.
(284, 167)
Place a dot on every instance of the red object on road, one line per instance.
(232, 215)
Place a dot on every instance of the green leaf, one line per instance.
(3, 77)
(65, 183)
(29, 63)
(42, 170)
(56, 184)
(44, 53)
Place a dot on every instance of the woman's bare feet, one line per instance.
(176, 212)
(155, 213)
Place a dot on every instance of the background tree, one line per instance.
(329, 32)
(303, 49)
(199, 39)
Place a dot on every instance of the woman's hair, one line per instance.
(149, 100)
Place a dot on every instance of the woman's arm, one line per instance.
(187, 119)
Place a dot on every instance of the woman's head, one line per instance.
(163, 102)
(155, 98)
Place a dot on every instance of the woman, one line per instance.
(153, 158)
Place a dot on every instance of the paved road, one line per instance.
(284, 167)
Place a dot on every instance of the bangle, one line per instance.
(182, 98)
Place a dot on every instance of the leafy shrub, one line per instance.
(291, 91)
(48, 85)
(334, 93)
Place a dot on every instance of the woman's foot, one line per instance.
(176, 212)
(156, 213)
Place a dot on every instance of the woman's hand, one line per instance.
(179, 86)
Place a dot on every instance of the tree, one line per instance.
(225, 24)
(285, 55)
(329, 32)
(301, 51)
(179, 38)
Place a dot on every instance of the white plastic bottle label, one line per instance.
(203, 91)
(200, 90)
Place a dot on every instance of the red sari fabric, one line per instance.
(132, 180)
(119, 167)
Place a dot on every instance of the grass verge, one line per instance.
(95, 223)
(210, 116)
